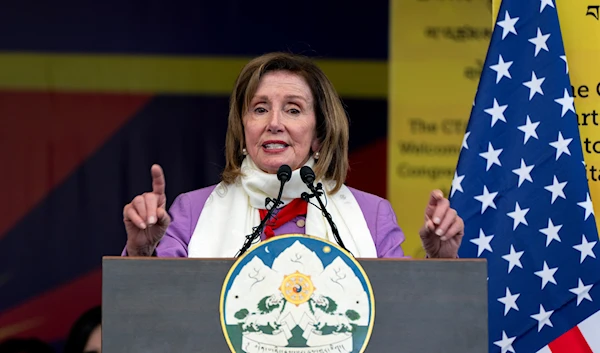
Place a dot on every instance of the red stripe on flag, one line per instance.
(570, 342)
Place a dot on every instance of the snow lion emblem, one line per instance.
(297, 294)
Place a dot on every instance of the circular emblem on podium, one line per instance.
(297, 294)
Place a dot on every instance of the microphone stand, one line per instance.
(317, 192)
(283, 174)
(259, 229)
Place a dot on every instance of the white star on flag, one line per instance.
(556, 189)
(497, 112)
(534, 85)
(501, 68)
(518, 216)
(464, 143)
(551, 232)
(567, 102)
(561, 145)
(587, 205)
(582, 292)
(543, 318)
(456, 184)
(564, 58)
(483, 242)
(505, 343)
(540, 41)
(509, 301)
(585, 248)
(544, 3)
(524, 172)
(491, 156)
(529, 129)
(513, 258)
(486, 199)
(508, 25)
(547, 275)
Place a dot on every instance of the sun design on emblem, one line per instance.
(297, 288)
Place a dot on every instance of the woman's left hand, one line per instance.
(443, 230)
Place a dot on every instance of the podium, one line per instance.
(172, 305)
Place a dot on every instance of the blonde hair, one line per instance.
(331, 125)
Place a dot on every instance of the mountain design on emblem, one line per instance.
(297, 303)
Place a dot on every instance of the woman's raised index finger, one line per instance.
(158, 179)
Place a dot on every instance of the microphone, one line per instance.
(284, 174)
(308, 177)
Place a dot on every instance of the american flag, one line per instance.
(521, 187)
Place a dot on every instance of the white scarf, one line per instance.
(231, 211)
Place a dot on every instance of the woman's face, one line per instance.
(94, 343)
(280, 123)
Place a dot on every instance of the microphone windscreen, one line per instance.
(284, 173)
(307, 175)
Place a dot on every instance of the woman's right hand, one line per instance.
(146, 218)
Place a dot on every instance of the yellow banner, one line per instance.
(580, 27)
(437, 51)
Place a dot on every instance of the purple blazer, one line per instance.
(187, 207)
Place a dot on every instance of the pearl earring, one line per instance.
(244, 152)
(317, 155)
